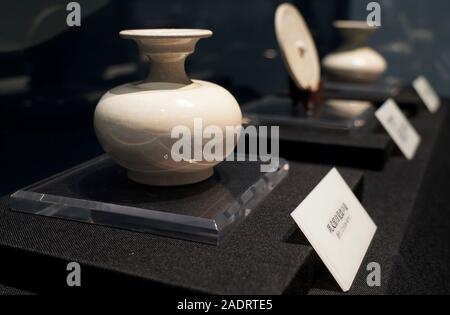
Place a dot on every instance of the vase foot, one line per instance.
(167, 179)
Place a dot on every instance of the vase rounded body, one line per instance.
(355, 61)
(136, 123)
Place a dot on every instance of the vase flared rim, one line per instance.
(353, 25)
(166, 33)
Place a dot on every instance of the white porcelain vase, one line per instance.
(134, 121)
(355, 61)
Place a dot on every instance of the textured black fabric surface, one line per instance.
(261, 256)
(423, 264)
(407, 200)
(390, 197)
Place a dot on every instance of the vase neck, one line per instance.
(167, 51)
(167, 63)
(355, 34)
(355, 40)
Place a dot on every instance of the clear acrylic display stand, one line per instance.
(280, 111)
(99, 192)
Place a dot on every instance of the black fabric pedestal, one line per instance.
(265, 254)
(408, 200)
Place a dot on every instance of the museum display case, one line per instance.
(184, 148)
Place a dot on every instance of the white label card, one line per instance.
(427, 94)
(337, 226)
(399, 128)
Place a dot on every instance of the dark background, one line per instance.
(51, 76)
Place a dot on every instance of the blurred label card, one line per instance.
(399, 128)
(337, 226)
(427, 94)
